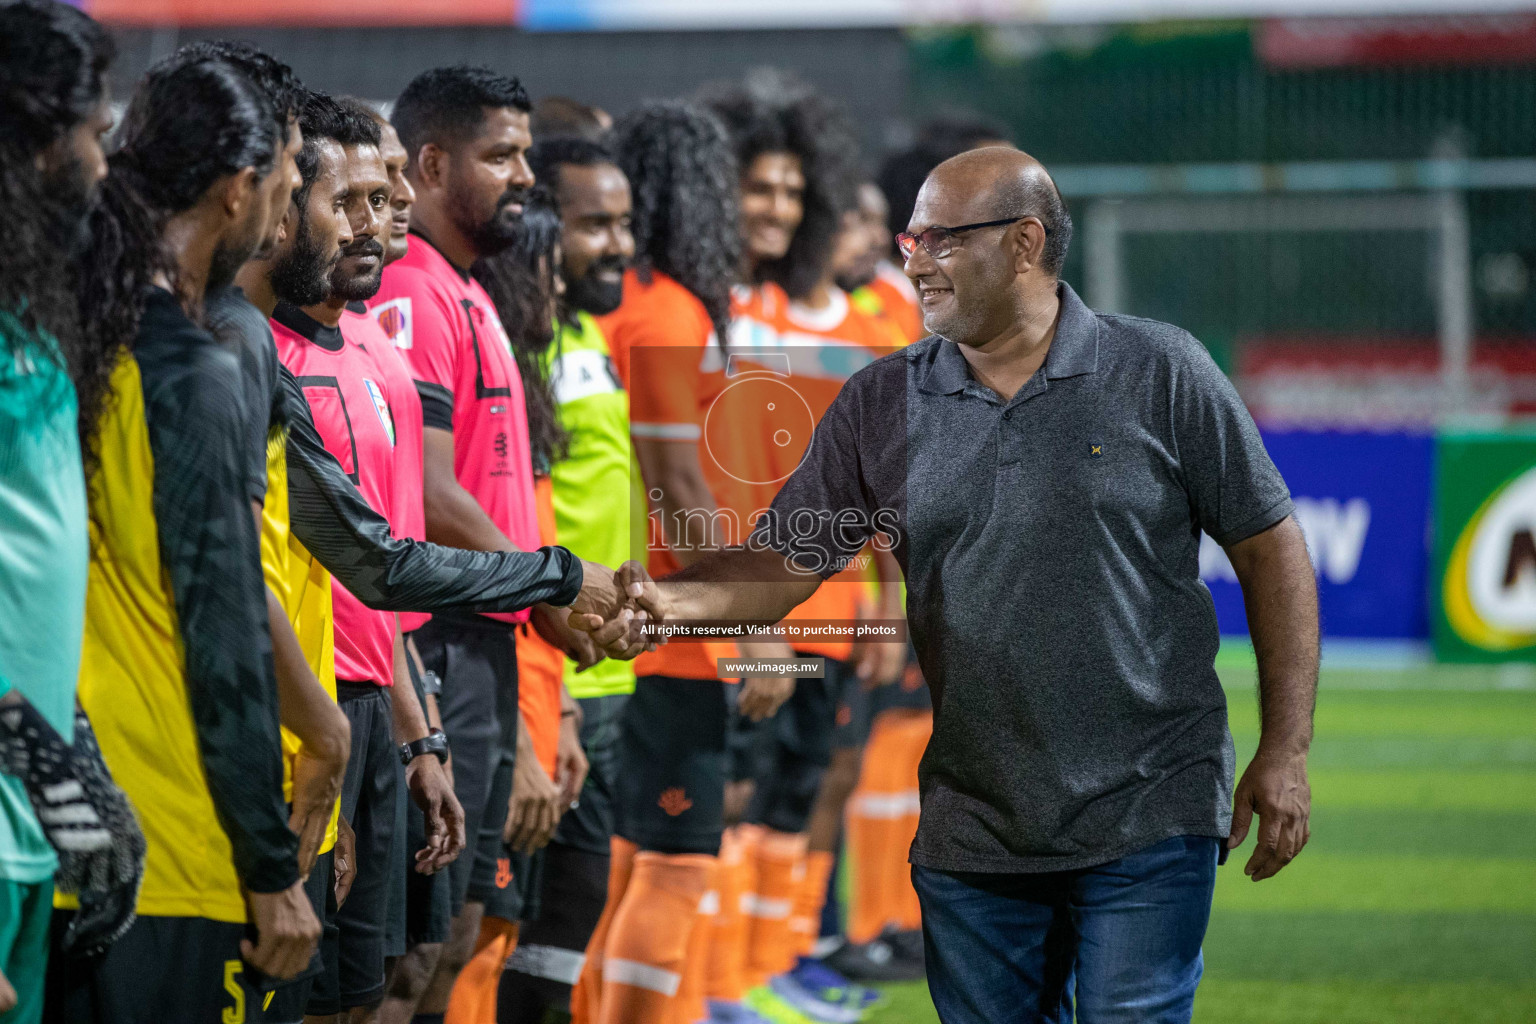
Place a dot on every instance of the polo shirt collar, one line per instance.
(1074, 350)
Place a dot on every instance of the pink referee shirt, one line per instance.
(350, 403)
(445, 325)
(410, 517)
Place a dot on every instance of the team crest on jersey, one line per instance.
(381, 407)
(394, 317)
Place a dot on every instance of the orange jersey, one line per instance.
(816, 345)
(898, 301)
(540, 666)
(663, 347)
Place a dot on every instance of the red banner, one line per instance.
(1339, 42)
(304, 12)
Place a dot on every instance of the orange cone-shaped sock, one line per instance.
(586, 994)
(805, 920)
(647, 942)
(473, 999)
(780, 872)
(689, 1006)
(915, 734)
(727, 950)
(875, 828)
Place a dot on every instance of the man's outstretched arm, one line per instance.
(732, 585)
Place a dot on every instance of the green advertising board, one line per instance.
(1485, 546)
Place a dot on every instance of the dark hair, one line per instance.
(522, 289)
(327, 118)
(561, 115)
(902, 173)
(53, 62)
(549, 155)
(190, 125)
(686, 215)
(283, 88)
(791, 118)
(447, 105)
(1038, 197)
(362, 108)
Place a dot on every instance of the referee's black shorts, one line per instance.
(476, 659)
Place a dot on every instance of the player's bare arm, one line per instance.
(425, 778)
(308, 712)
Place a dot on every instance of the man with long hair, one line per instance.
(177, 663)
(799, 169)
(589, 495)
(62, 821)
(646, 959)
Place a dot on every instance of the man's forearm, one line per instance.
(737, 584)
(1280, 592)
(306, 709)
(409, 722)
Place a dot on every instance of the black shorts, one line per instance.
(476, 658)
(488, 849)
(419, 905)
(855, 713)
(162, 969)
(517, 886)
(354, 949)
(672, 765)
(794, 749)
(589, 825)
(745, 741)
(289, 1004)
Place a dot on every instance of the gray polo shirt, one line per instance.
(1051, 550)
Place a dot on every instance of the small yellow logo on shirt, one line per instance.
(1096, 451)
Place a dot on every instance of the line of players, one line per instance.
(325, 651)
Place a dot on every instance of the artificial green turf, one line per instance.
(1415, 902)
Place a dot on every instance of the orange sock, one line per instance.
(780, 872)
(587, 992)
(915, 734)
(805, 921)
(726, 955)
(649, 937)
(473, 999)
(689, 1006)
(875, 829)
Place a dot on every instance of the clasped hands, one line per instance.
(614, 607)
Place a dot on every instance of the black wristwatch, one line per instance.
(434, 742)
(431, 683)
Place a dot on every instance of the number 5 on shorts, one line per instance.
(234, 1014)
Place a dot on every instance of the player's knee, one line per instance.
(842, 776)
(413, 971)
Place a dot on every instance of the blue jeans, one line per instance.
(1123, 938)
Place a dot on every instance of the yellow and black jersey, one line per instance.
(301, 584)
(176, 672)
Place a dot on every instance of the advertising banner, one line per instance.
(1363, 502)
(1485, 546)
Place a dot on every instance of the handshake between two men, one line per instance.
(736, 584)
(614, 606)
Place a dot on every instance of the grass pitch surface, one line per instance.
(1415, 901)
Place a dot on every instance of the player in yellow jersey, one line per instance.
(177, 665)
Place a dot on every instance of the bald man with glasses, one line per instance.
(1044, 473)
